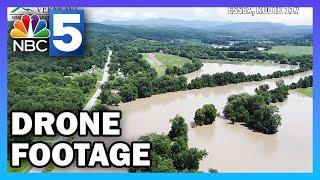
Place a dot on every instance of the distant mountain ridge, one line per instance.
(197, 24)
(212, 25)
(262, 26)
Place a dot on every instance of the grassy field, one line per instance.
(166, 60)
(171, 60)
(160, 68)
(305, 91)
(292, 50)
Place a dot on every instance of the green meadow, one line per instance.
(292, 50)
(305, 91)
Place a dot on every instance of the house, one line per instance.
(93, 69)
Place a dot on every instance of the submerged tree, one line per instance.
(170, 153)
(179, 129)
(266, 120)
(205, 115)
(254, 111)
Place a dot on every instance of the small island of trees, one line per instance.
(255, 111)
(205, 115)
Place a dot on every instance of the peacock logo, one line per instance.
(30, 27)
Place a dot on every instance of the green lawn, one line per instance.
(292, 50)
(171, 60)
(305, 91)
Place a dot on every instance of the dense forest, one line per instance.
(38, 82)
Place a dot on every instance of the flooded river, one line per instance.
(247, 67)
(231, 148)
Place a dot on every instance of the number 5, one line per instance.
(60, 30)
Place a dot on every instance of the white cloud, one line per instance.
(197, 13)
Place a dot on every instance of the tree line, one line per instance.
(198, 51)
(225, 78)
(186, 68)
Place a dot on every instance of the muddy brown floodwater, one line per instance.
(247, 68)
(231, 148)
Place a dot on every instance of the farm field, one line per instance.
(292, 50)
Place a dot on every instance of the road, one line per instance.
(96, 94)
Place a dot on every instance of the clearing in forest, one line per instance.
(160, 61)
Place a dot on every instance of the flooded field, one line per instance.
(231, 148)
(247, 68)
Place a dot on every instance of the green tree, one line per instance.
(179, 129)
(108, 98)
(189, 159)
(170, 153)
(179, 144)
(100, 107)
(128, 92)
(161, 144)
(267, 119)
(199, 116)
(86, 82)
(205, 115)
(263, 91)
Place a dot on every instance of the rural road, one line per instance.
(96, 94)
(87, 107)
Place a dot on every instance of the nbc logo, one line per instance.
(65, 37)
(31, 32)
(30, 27)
